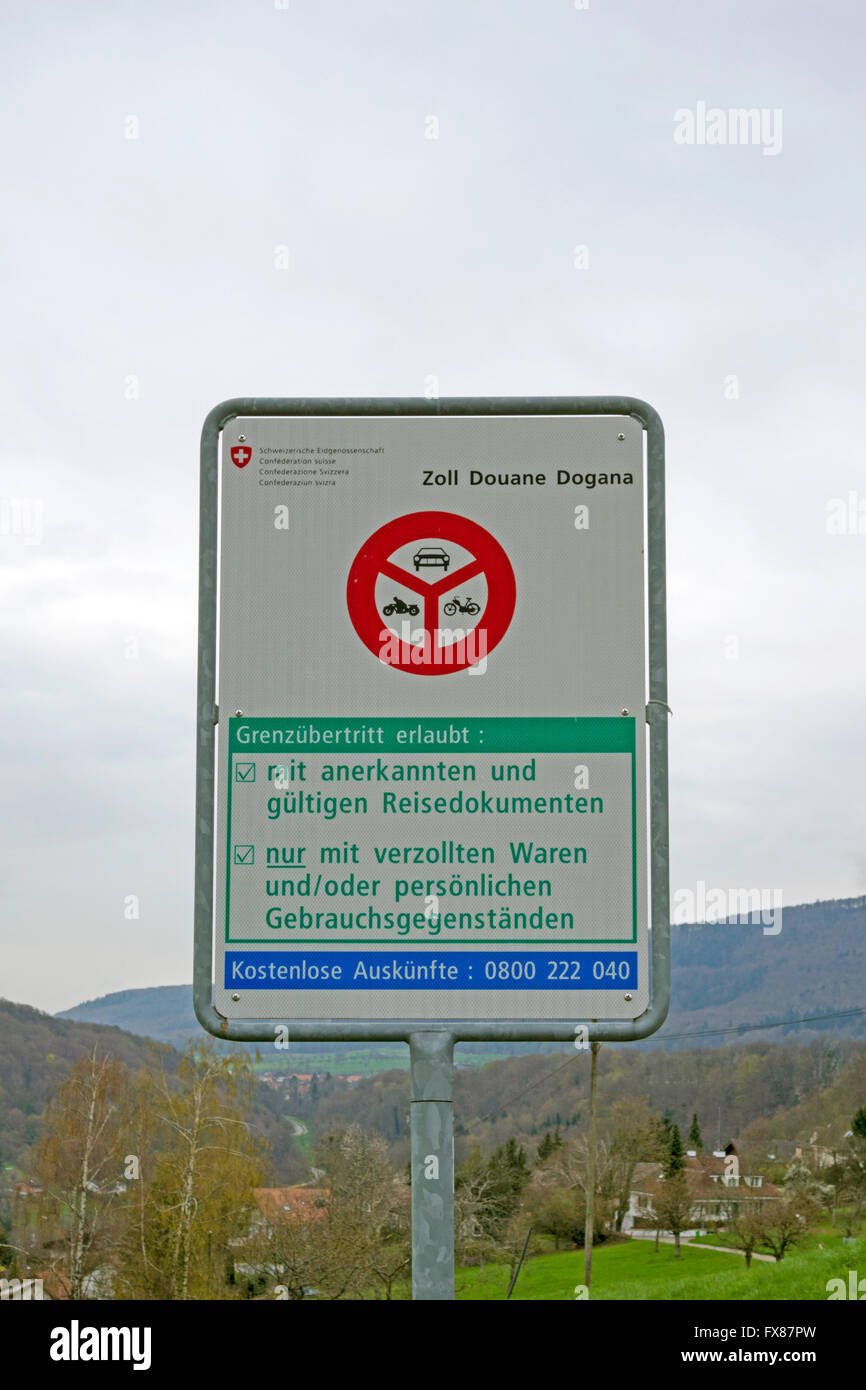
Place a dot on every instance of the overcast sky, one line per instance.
(156, 154)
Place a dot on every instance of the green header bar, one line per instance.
(288, 736)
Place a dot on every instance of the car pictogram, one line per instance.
(431, 555)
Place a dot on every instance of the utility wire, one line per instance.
(758, 1027)
(671, 1037)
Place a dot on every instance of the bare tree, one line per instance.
(367, 1211)
(749, 1227)
(391, 1255)
(850, 1182)
(295, 1250)
(673, 1206)
(556, 1211)
(200, 1194)
(482, 1206)
(574, 1166)
(634, 1139)
(80, 1152)
(785, 1224)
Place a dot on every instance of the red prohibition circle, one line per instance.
(372, 560)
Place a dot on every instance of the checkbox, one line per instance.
(245, 772)
(245, 854)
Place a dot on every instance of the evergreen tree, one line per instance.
(695, 1139)
(514, 1159)
(545, 1148)
(673, 1161)
(678, 1151)
(664, 1129)
(508, 1172)
(858, 1124)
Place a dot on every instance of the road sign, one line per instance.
(469, 851)
(435, 647)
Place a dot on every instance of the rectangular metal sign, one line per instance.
(431, 773)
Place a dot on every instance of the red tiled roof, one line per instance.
(699, 1171)
(291, 1203)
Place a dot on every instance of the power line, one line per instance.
(479, 1119)
(759, 1027)
(672, 1037)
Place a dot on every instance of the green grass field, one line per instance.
(825, 1234)
(634, 1271)
(365, 1061)
(302, 1142)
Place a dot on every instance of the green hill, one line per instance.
(38, 1053)
(725, 976)
(771, 1096)
(164, 1012)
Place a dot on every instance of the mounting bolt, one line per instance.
(242, 439)
(239, 714)
(236, 997)
(627, 997)
(625, 711)
(620, 436)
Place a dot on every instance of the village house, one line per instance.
(27, 1188)
(280, 1204)
(718, 1188)
(276, 1206)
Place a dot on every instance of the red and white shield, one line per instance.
(241, 455)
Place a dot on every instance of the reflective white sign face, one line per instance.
(431, 764)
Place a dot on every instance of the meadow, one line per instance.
(634, 1270)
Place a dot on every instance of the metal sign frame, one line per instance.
(463, 1030)
(431, 1042)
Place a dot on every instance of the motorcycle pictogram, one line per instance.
(398, 606)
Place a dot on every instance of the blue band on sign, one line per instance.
(515, 970)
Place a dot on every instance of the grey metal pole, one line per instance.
(589, 1224)
(431, 1066)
